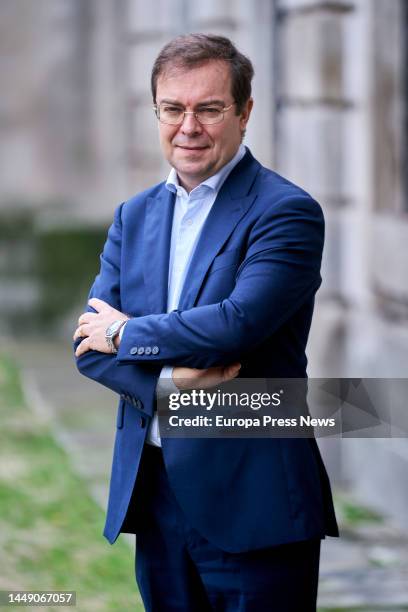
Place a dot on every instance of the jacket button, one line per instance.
(140, 350)
(148, 350)
(142, 422)
(133, 350)
(155, 350)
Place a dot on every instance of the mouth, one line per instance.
(191, 148)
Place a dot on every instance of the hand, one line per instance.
(92, 327)
(193, 378)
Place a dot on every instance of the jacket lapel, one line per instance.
(156, 249)
(230, 206)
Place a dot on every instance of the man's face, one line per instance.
(198, 151)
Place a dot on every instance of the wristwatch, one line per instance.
(113, 331)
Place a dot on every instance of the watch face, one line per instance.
(113, 328)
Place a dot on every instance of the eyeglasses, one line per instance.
(174, 115)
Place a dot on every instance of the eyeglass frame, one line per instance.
(156, 108)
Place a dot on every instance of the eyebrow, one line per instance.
(203, 103)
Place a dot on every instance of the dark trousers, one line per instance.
(177, 570)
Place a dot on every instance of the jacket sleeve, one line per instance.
(134, 382)
(280, 272)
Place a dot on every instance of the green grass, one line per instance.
(50, 528)
(352, 514)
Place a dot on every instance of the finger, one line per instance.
(77, 333)
(83, 347)
(232, 371)
(86, 317)
(236, 365)
(98, 304)
(81, 331)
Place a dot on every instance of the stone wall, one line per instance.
(62, 128)
(340, 103)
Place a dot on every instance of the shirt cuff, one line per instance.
(122, 329)
(165, 383)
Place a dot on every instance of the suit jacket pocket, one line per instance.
(121, 415)
(225, 260)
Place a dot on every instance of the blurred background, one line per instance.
(77, 137)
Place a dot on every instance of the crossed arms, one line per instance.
(280, 271)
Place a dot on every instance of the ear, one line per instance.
(245, 113)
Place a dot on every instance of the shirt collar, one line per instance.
(214, 182)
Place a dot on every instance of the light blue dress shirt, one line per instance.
(190, 212)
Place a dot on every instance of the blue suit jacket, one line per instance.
(248, 296)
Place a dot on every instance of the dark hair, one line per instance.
(191, 50)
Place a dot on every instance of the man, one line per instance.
(216, 270)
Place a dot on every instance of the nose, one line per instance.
(190, 125)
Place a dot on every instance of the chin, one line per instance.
(193, 168)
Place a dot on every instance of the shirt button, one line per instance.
(140, 350)
(155, 350)
(148, 350)
(189, 222)
(133, 350)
